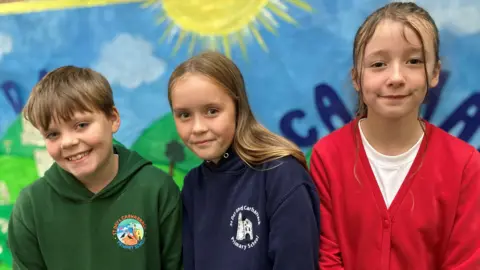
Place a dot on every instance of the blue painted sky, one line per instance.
(122, 42)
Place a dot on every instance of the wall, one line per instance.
(295, 56)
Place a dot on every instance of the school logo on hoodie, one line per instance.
(129, 231)
(245, 222)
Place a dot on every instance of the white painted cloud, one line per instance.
(6, 45)
(459, 16)
(129, 61)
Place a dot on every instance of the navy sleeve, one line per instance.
(294, 231)
(187, 227)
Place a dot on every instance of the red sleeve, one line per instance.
(329, 256)
(463, 251)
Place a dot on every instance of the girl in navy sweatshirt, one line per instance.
(251, 204)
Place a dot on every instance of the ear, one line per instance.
(354, 75)
(115, 119)
(436, 74)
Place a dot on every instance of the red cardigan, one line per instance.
(433, 222)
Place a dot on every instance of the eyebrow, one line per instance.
(385, 52)
(376, 53)
(415, 50)
(48, 130)
(178, 110)
(208, 105)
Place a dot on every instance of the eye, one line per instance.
(51, 135)
(212, 112)
(377, 65)
(415, 61)
(183, 115)
(82, 125)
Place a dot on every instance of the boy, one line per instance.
(99, 206)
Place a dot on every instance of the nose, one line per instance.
(68, 140)
(199, 126)
(397, 78)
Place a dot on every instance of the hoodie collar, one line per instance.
(68, 186)
(229, 163)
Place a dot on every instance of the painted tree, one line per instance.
(152, 144)
(175, 154)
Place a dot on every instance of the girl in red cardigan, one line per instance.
(396, 192)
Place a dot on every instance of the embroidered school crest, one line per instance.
(129, 232)
(245, 222)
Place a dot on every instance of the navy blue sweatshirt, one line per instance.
(240, 218)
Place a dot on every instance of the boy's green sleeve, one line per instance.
(171, 227)
(22, 240)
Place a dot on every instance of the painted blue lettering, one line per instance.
(329, 105)
(286, 126)
(468, 114)
(11, 90)
(433, 96)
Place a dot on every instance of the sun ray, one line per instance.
(179, 42)
(148, 3)
(258, 37)
(191, 46)
(167, 32)
(266, 23)
(268, 15)
(212, 43)
(241, 44)
(173, 33)
(279, 4)
(301, 4)
(226, 46)
(161, 19)
(280, 13)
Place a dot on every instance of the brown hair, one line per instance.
(410, 14)
(67, 90)
(254, 143)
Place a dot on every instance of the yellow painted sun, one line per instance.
(221, 24)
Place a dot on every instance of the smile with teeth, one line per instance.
(79, 156)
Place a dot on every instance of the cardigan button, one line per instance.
(386, 224)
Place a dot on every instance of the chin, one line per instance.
(83, 174)
(394, 113)
(207, 156)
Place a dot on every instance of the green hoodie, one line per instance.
(133, 223)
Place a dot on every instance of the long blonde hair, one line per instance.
(254, 143)
(412, 16)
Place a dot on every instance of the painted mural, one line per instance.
(295, 56)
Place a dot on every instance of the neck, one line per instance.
(392, 137)
(101, 178)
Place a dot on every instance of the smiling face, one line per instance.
(204, 115)
(393, 77)
(82, 145)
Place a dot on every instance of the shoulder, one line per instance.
(190, 183)
(337, 140)
(283, 178)
(155, 179)
(191, 178)
(287, 165)
(33, 191)
(448, 148)
(285, 175)
(25, 202)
